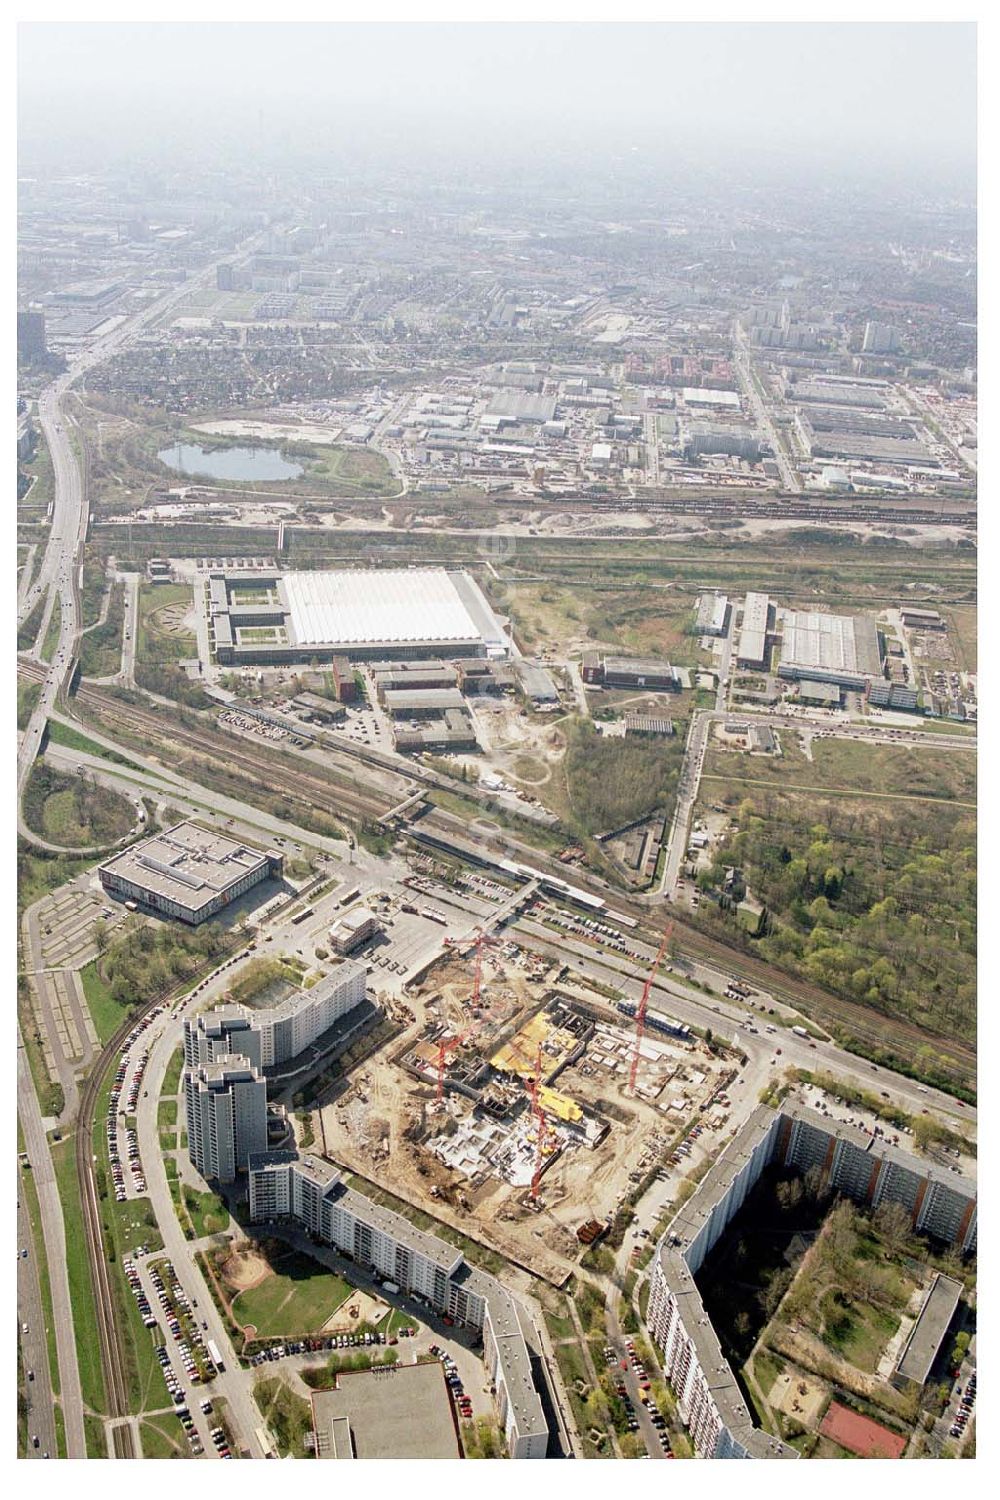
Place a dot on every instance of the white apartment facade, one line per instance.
(273, 1036)
(286, 1185)
(225, 1104)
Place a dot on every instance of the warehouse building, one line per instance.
(713, 614)
(644, 726)
(274, 1035)
(421, 703)
(350, 615)
(652, 673)
(225, 1105)
(313, 706)
(453, 731)
(752, 649)
(412, 675)
(866, 1169)
(188, 872)
(843, 649)
(537, 685)
(822, 694)
(311, 1192)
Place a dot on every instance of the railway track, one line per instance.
(957, 1060)
(828, 1010)
(338, 796)
(112, 1362)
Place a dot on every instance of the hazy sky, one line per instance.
(871, 93)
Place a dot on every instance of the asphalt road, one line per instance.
(50, 1207)
(729, 1022)
(34, 1349)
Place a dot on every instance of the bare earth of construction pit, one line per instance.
(469, 1158)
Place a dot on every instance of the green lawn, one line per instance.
(73, 810)
(287, 1415)
(296, 1299)
(28, 694)
(163, 1437)
(208, 1214)
(72, 739)
(80, 1286)
(166, 1113)
(52, 634)
(172, 1077)
(106, 1014)
(93, 1429)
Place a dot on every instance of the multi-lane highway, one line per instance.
(57, 581)
(50, 1207)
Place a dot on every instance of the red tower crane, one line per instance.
(482, 940)
(448, 1044)
(640, 1015)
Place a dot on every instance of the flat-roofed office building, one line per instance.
(188, 872)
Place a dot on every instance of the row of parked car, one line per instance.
(454, 1380)
(132, 1099)
(221, 1442)
(174, 1302)
(181, 1409)
(657, 1418)
(317, 1346)
(965, 1407)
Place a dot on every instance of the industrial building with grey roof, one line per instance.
(842, 649)
(188, 871)
(369, 614)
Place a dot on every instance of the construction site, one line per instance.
(520, 1105)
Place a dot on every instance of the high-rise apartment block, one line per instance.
(226, 1109)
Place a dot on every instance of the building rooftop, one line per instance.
(844, 644)
(521, 406)
(186, 864)
(400, 1412)
(927, 1335)
(402, 700)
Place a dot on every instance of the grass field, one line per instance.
(287, 1415)
(72, 739)
(172, 1077)
(208, 1214)
(93, 1429)
(639, 622)
(853, 767)
(963, 620)
(74, 811)
(28, 694)
(80, 1286)
(163, 1437)
(28, 633)
(106, 1014)
(297, 1298)
(101, 648)
(52, 633)
(157, 638)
